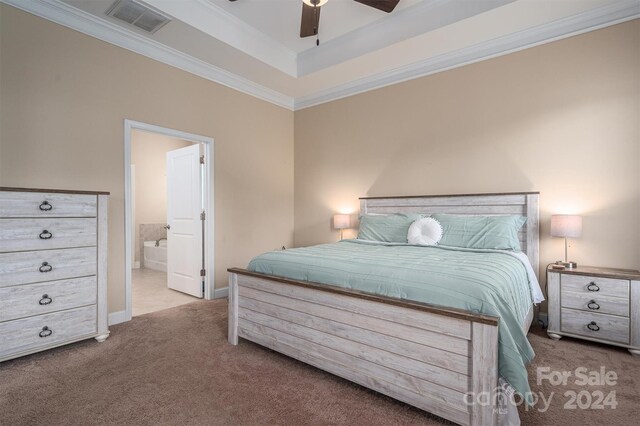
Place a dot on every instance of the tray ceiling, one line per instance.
(253, 45)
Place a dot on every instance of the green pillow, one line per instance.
(480, 232)
(390, 228)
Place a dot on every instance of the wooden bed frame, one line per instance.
(424, 355)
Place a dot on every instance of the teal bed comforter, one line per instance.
(482, 281)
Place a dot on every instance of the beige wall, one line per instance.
(64, 97)
(562, 119)
(149, 156)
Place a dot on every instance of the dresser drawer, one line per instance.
(605, 327)
(36, 299)
(46, 265)
(595, 285)
(596, 303)
(42, 204)
(41, 234)
(30, 333)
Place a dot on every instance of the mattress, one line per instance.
(489, 282)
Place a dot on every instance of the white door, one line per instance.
(184, 233)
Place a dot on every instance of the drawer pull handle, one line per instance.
(46, 332)
(593, 326)
(45, 267)
(45, 300)
(593, 305)
(45, 206)
(593, 287)
(45, 235)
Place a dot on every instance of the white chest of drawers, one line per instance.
(53, 269)
(598, 304)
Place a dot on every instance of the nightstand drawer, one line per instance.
(595, 285)
(596, 303)
(597, 326)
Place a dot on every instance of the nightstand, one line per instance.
(597, 304)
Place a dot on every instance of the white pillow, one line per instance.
(424, 232)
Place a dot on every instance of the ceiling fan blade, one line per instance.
(310, 20)
(384, 5)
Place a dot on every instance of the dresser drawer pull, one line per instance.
(46, 332)
(45, 300)
(593, 305)
(593, 326)
(45, 267)
(45, 235)
(593, 287)
(45, 206)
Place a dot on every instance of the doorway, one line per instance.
(169, 218)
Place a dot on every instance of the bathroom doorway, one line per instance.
(168, 226)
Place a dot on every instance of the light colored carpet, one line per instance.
(174, 367)
(149, 292)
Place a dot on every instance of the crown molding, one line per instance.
(591, 20)
(81, 21)
(228, 28)
(104, 30)
(401, 25)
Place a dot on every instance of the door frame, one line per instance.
(209, 250)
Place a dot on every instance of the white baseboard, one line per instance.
(221, 293)
(136, 265)
(117, 317)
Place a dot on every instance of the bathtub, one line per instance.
(155, 257)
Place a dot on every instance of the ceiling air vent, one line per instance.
(138, 15)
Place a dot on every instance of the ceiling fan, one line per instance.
(310, 22)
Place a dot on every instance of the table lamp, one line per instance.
(341, 221)
(566, 226)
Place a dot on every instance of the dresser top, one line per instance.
(58, 191)
(625, 274)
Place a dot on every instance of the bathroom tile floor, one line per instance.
(149, 292)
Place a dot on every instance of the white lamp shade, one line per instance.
(565, 225)
(341, 221)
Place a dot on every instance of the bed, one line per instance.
(443, 360)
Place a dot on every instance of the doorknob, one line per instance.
(167, 227)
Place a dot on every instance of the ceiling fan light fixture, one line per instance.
(315, 3)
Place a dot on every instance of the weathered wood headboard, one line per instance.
(515, 203)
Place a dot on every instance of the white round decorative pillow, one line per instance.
(425, 232)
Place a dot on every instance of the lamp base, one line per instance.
(568, 265)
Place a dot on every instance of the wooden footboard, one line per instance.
(437, 359)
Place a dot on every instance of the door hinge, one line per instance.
(203, 272)
(202, 216)
(202, 159)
